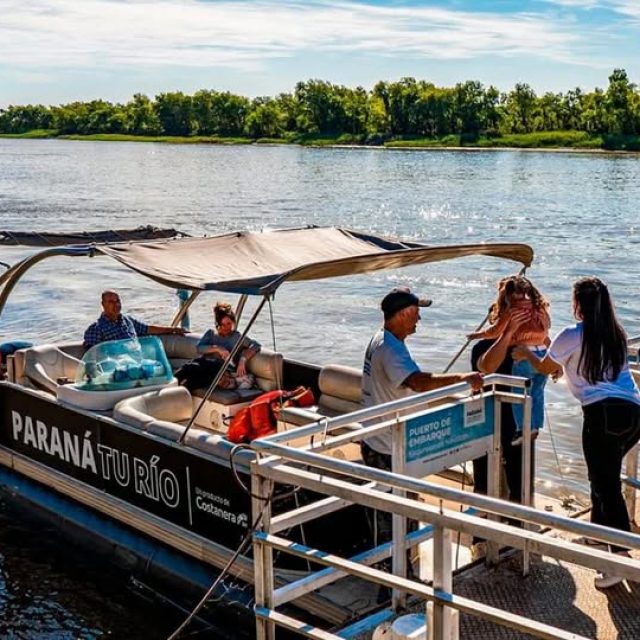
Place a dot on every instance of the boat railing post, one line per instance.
(398, 522)
(441, 620)
(494, 471)
(261, 490)
(527, 479)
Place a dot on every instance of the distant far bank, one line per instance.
(546, 140)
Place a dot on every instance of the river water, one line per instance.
(579, 212)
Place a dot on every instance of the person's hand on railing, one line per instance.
(475, 379)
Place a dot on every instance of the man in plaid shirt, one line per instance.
(113, 325)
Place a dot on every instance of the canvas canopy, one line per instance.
(258, 263)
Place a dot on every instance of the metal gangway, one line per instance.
(430, 431)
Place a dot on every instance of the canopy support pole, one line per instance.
(240, 306)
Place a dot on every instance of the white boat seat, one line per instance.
(168, 405)
(71, 395)
(266, 366)
(165, 413)
(340, 393)
(180, 349)
(46, 366)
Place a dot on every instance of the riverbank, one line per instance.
(549, 140)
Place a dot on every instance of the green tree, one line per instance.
(265, 119)
(468, 108)
(174, 111)
(492, 111)
(620, 101)
(520, 108)
(355, 106)
(140, 117)
(549, 116)
(320, 108)
(433, 111)
(18, 119)
(593, 118)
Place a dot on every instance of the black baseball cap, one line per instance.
(401, 298)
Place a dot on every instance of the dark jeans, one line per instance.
(511, 465)
(609, 429)
(380, 522)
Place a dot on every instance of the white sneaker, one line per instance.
(478, 550)
(606, 580)
(518, 437)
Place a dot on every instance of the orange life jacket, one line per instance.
(260, 418)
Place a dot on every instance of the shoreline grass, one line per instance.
(546, 140)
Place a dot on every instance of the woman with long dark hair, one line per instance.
(593, 355)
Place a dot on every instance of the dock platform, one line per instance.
(555, 592)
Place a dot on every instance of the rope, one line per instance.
(225, 570)
(566, 496)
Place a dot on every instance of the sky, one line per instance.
(58, 51)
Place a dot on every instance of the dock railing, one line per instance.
(630, 478)
(347, 483)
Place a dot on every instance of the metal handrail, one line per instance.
(418, 400)
(284, 468)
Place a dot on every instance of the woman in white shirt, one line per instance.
(593, 355)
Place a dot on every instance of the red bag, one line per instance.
(301, 397)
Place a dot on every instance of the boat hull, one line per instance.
(114, 479)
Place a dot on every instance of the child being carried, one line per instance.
(517, 293)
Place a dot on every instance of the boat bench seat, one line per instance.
(165, 413)
(156, 411)
(266, 366)
(340, 393)
(45, 366)
(180, 349)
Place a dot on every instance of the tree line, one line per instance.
(406, 108)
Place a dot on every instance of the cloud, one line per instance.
(628, 8)
(245, 35)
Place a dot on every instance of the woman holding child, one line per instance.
(593, 355)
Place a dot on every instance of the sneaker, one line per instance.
(606, 580)
(590, 542)
(478, 550)
(518, 438)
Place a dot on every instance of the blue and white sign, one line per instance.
(442, 438)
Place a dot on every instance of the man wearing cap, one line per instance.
(390, 373)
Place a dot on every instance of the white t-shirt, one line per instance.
(387, 364)
(565, 349)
